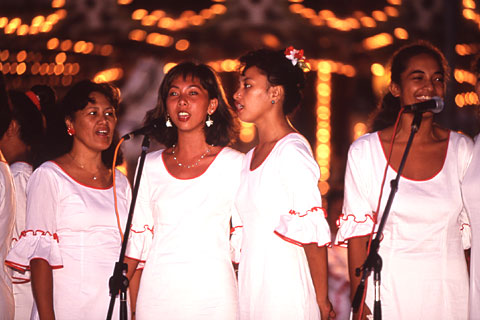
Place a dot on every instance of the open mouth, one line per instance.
(183, 116)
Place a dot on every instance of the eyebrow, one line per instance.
(190, 86)
(421, 71)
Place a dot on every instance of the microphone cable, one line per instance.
(375, 214)
(115, 186)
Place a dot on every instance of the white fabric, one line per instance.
(22, 290)
(280, 207)
(74, 228)
(424, 274)
(7, 213)
(471, 197)
(188, 273)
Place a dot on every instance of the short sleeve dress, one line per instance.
(22, 290)
(180, 231)
(74, 228)
(281, 209)
(471, 197)
(424, 274)
(7, 213)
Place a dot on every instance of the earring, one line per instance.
(209, 121)
(70, 131)
(168, 123)
(273, 101)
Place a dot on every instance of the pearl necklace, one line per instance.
(188, 166)
(78, 164)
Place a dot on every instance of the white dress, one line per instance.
(181, 231)
(7, 213)
(471, 197)
(74, 228)
(424, 274)
(22, 290)
(281, 208)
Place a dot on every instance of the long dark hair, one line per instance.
(5, 111)
(77, 98)
(225, 124)
(387, 112)
(279, 71)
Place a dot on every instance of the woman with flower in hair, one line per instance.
(424, 273)
(283, 258)
(72, 235)
(22, 145)
(471, 199)
(180, 230)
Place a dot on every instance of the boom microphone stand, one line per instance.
(119, 282)
(374, 261)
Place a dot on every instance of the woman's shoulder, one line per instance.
(366, 141)
(294, 142)
(231, 154)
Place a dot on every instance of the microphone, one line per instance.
(144, 130)
(434, 105)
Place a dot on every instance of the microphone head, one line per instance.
(439, 104)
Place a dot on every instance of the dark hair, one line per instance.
(30, 121)
(387, 113)
(280, 72)
(77, 98)
(5, 111)
(225, 124)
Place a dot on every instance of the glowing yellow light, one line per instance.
(75, 68)
(21, 68)
(308, 13)
(106, 50)
(15, 22)
(66, 45)
(6, 68)
(79, 46)
(149, 20)
(296, 8)
(60, 58)
(122, 168)
(395, 2)
(377, 69)
(182, 45)
(377, 41)
(197, 20)
(52, 43)
(368, 22)
(168, 66)
(9, 29)
(43, 69)
(124, 2)
(53, 18)
(165, 23)
(62, 13)
(379, 15)
(108, 75)
(391, 11)
(469, 4)
(218, 9)
(270, 40)
(469, 14)
(324, 187)
(37, 21)
(247, 132)
(3, 22)
(46, 27)
(88, 48)
(35, 68)
(33, 30)
(137, 35)
(458, 74)
(51, 68)
(58, 70)
(400, 33)
(229, 65)
(158, 13)
(139, 14)
(21, 55)
(459, 100)
(58, 3)
(359, 129)
(206, 13)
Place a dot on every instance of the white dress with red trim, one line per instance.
(424, 274)
(181, 231)
(7, 213)
(281, 208)
(22, 290)
(471, 197)
(74, 228)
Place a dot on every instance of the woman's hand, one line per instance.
(326, 310)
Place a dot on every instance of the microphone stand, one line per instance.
(373, 260)
(118, 281)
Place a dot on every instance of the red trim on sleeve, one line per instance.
(145, 228)
(298, 243)
(314, 209)
(142, 261)
(42, 233)
(345, 217)
(21, 267)
(232, 229)
(463, 226)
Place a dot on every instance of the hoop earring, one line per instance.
(70, 131)
(168, 123)
(209, 121)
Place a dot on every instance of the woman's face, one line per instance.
(422, 79)
(94, 125)
(252, 97)
(188, 103)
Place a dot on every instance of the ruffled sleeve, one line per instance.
(304, 222)
(141, 232)
(39, 240)
(464, 154)
(357, 219)
(236, 235)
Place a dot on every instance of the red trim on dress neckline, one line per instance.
(263, 161)
(201, 174)
(78, 182)
(417, 180)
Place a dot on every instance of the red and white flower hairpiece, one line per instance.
(297, 58)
